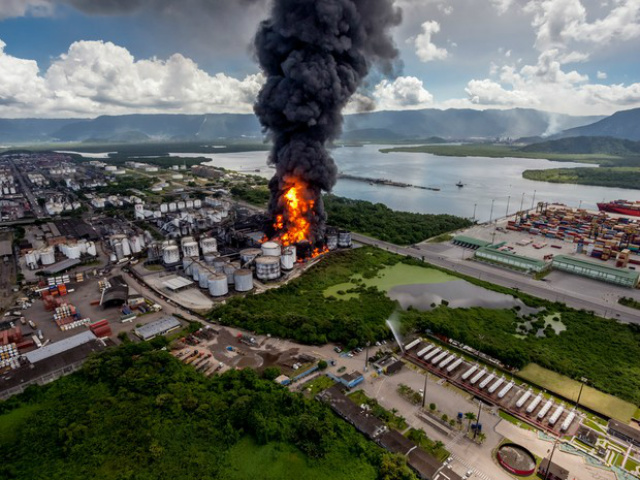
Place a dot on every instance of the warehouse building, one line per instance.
(510, 260)
(624, 432)
(159, 327)
(469, 242)
(602, 272)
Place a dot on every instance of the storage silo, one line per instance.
(170, 255)
(271, 249)
(209, 258)
(218, 285)
(288, 258)
(126, 248)
(243, 279)
(219, 263)
(164, 208)
(344, 239)
(268, 268)
(203, 280)
(190, 249)
(229, 270)
(31, 260)
(181, 205)
(249, 254)
(208, 245)
(189, 204)
(91, 249)
(173, 207)
(197, 203)
(332, 240)
(187, 263)
(195, 272)
(118, 250)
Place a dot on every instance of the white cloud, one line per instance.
(401, 94)
(425, 48)
(445, 9)
(501, 5)
(96, 77)
(601, 75)
(19, 8)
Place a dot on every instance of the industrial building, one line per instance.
(159, 327)
(552, 471)
(349, 380)
(469, 242)
(602, 272)
(624, 432)
(510, 260)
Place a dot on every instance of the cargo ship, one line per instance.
(622, 207)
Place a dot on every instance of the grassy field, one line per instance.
(10, 422)
(276, 461)
(318, 385)
(389, 277)
(597, 401)
(515, 421)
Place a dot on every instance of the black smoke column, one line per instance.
(315, 54)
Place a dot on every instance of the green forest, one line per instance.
(135, 413)
(619, 177)
(601, 349)
(379, 221)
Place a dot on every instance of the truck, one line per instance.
(32, 324)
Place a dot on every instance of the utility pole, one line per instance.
(508, 201)
(546, 475)
(583, 380)
(366, 357)
(424, 392)
(475, 431)
(474, 211)
(491, 214)
(521, 201)
(533, 200)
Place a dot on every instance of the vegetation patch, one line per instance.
(618, 177)
(379, 221)
(629, 302)
(390, 417)
(137, 413)
(591, 398)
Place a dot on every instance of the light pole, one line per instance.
(424, 392)
(533, 200)
(546, 475)
(491, 214)
(580, 205)
(474, 211)
(508, 202)
(475, 431)
(583, 380)
(521, 201)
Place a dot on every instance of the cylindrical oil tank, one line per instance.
(268, 268)
(271, 249)
(118, 250)
(219, 263)
(218, 285)
(173, 207)
(344, 239)
(190, 249)
(203, 280)
(209, 258)
(197, 203)
(181, 205)
(187, 264)
(189, 204)
(126, 247)
(195, 272)
(243, 280)
(164, 208)
(229, 270)
(332, 240)
(170, 254)
(209, 245)
(249, 254)
(288, 258)
(188, 239)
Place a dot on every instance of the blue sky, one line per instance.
(71, 58)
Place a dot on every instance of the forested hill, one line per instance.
(587, 145)
(137, 413)
(623, 124)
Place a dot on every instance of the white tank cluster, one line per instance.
(332, 240)
(248, 255)
(190, 249)
(218, 285)
(208, 245)
(288, 258)
(243, 280)
(48, 256)
(229, 270)
(344, 239)
(271, 249)
(170, 254)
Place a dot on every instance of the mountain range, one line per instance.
(393, 126)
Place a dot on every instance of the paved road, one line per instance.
(509, 279)
(37, 210)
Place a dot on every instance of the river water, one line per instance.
(486, 181)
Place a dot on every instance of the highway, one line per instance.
(508, 279)
(26, 190)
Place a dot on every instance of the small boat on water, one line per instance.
(460, 184)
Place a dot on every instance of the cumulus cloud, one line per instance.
(501, 5)
(401, 93)
(425, 48)
(96, 77)
(19, 8)
(601, 75)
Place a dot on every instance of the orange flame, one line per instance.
(297, 226)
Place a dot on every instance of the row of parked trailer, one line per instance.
(441, 358)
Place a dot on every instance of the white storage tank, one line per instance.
(118, 250)
(195, 272)
(184, 240)
(288, 258)
(187, 264)
(164, 208)
(113, 258)
(268, 268)
(344, 239)
(170, 255)
(126, 248)
(210, 258)
(229, 270)
(189, 204)
(243, 280)
(203, 280)
(73, 251)
(190, 249)
(219, 263)
(249, 254)
(218, 285)
(271, 249)
(181, 205)
(197, 203)
(136, 244)
(91, 249)
(173, 207)
(208, 245)
(31, 260)
(332, 240)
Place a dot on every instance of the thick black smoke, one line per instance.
(315, 54)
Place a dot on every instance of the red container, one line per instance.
(102, 332)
